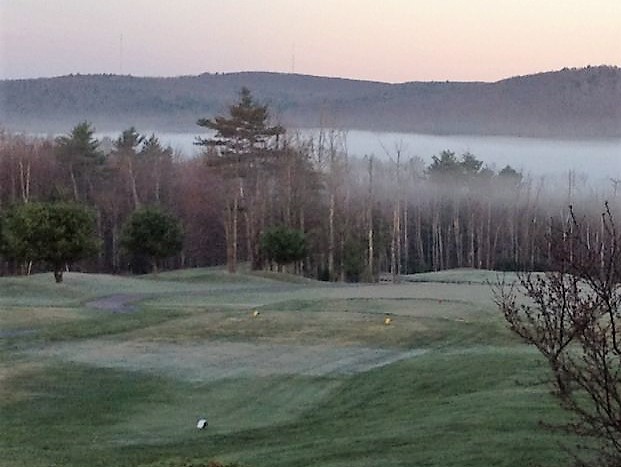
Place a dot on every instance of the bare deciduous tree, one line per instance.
(573, 317)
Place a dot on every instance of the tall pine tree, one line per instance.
(243, 142)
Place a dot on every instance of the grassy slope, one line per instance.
(473, 399)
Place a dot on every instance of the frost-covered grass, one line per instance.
(316, 378)
(40, 289)
(461, 276)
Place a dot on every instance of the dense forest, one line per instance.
(360, 218)
(569, 103)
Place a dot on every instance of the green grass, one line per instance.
(462, 276)
(87, 387)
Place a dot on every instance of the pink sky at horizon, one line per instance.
(389, 40)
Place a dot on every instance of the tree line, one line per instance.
(340, 217)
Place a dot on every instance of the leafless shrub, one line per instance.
(572, 316)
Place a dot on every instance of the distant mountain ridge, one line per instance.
(576, 102)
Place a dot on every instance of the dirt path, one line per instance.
(16, 333)
(125, 302)
(118, 303)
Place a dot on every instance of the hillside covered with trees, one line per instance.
(568, 103)
(335, 217)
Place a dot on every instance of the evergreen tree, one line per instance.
(152, 233)
(243, 142)
(283, 245)
(126, 148)
(54, 233)
(244, 132)
(79, 153)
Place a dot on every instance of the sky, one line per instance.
(380, 40)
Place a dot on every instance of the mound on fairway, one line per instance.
(219, 360)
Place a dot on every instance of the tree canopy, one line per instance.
(244, 130)
(152, 233)
(446, 167)
(79, 153)
(283, 245)
(57, 234)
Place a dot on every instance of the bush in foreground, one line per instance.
(573, 318)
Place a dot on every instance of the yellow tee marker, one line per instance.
(387, 320)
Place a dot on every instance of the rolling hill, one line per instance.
(570, 103)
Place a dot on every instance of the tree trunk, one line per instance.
(116, 261)
(441, 248)
(331, 237)
(395, 246)
(58, 274)
(232, 260)
(435, 251)
(132, 181)
(471, 234)
(249, 220)
(457, 236)
(288, 191)
(420, 248)
(157, 177)
(74, 184)
(370, 199)
(406, 239)
(488, 249)
(25, 180)
(230, 233)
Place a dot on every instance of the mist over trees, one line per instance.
(361, 218)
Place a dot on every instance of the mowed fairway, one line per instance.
(113, 371)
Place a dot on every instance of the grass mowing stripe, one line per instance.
(392, 408)
(390, 417)
(431, 410)
(67, 410)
